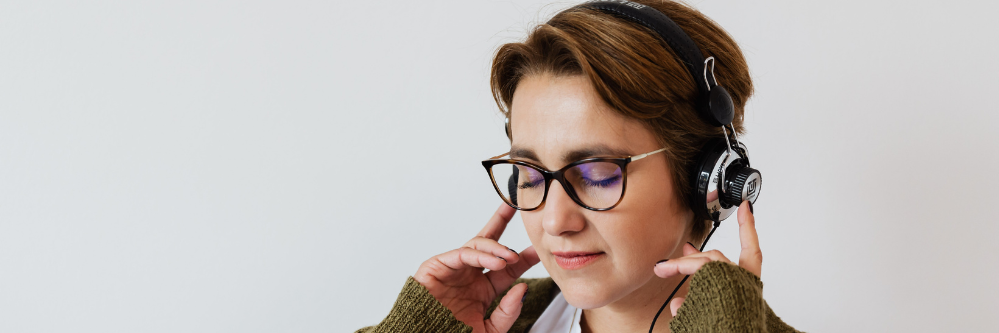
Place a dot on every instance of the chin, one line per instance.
(585, 293)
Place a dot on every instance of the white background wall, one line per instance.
(192, 166)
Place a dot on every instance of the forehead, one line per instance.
(554, 116)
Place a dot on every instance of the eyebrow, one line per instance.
(574, 155)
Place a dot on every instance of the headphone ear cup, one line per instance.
(722, 179)
(720, 108)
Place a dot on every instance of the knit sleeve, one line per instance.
(726, 298)
(416, 310)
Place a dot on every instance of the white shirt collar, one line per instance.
(559, 317)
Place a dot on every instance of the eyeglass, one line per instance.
(593, 183)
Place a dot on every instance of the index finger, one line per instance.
(751, 258)
(497, 224)
(504, 278)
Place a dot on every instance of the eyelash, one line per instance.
(602, 183)
(529, 185)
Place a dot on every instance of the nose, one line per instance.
(561, 215)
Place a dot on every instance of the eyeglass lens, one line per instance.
(598, 185)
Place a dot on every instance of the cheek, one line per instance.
(651, 224)
(640, 242)
(532, 224)
(658, 242)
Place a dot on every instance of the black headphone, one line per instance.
(722, 176)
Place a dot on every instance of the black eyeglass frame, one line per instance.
(559, 175)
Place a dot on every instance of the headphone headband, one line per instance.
(711, 101)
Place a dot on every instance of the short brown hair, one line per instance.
(636, 73)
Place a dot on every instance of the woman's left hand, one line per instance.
(751, 258)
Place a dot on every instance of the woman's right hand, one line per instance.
(456, 278)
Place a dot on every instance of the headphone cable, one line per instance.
(712, 232)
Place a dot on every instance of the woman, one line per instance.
(598, 102)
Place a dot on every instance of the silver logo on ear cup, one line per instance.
(752, 188)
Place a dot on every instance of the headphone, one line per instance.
(722, 175)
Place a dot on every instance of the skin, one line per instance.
(623, 288)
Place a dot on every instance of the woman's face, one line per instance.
(554, 120)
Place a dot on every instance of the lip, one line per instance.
(575, 260)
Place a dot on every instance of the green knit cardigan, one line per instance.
(722, 298)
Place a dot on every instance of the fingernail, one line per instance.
(662, 261)
(522, 299)
(750, 207)
(692, 245)
(504, 259)
(511, 250)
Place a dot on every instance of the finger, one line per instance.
(675, 304)
(504, 278)
(689, 249)
(508, 310)
(681, 266)
(751, 258)
(495, 248)
(714, 255)
(464, 257)
(494, 228)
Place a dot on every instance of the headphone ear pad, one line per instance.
(720, 106)
(703, 169)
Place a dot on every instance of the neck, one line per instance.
(634, 313)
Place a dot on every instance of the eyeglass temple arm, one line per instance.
(638, 157)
